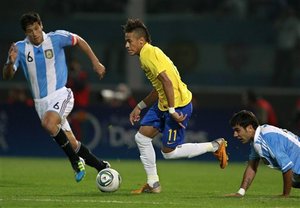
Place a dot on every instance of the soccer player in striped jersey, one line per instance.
(170, 109)
(276, 147)
(41, 57)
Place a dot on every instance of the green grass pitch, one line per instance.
(45, 182)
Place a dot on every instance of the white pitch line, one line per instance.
(88, 201)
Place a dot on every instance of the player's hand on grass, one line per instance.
(283, 195)
(99, 69)
(179, 118)
(233, 195)
(135, 115)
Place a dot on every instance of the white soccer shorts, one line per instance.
(60, 101)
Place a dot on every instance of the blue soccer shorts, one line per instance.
(172, 133)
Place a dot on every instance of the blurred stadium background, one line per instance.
(221, 47)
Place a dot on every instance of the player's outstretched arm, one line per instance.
(97, 65)
(287, 183)
(248, 177)
(8, 69)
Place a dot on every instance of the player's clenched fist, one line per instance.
(99, 69)
(12, 53)
(135, 115)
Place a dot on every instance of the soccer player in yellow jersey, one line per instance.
(170, 108)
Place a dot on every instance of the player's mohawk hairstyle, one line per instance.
(138, 26)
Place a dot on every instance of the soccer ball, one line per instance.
(108, 180)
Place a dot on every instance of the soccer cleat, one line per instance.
(107, 164)
(82, 160)
(104, 164)
(79, 170)
(148, 189)
(221, 154)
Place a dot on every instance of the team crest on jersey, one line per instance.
(49, 53)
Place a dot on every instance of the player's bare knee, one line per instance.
(50, 127)
(46, 125)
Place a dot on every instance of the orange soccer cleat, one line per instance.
(148, 189)
(221, 154)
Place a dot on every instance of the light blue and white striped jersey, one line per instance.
(44, 66)
(277, 147)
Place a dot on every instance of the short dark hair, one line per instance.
(137, 26)
(29, 18)
(244, 118)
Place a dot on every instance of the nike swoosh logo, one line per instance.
(170, 142)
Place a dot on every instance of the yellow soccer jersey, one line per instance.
(153, 62)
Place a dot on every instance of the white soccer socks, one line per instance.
(189, 150)
(148, 157)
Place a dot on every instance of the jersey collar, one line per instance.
(257, 132)
(144, 48)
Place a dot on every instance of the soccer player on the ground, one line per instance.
(278, 148)
(42, 58)
(169, 112)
